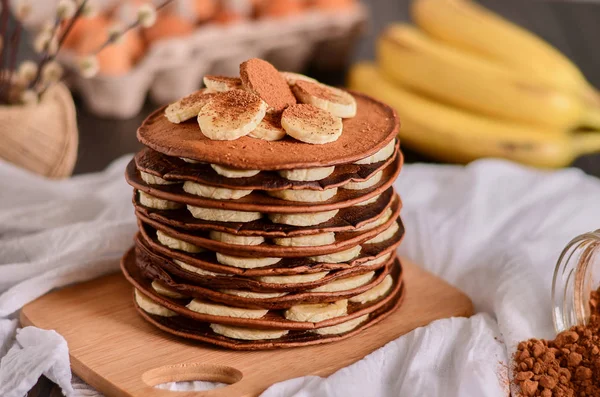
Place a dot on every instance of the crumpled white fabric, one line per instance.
(493, 229)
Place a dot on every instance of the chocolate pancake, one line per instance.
(374, 125)
(347, 219)
(145, 258)
(273, 319)
(176, 170)
(142, 275)
(268, 249)
(190, 329)
(287, 266)
(260, 201)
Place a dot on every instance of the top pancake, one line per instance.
(374, 125)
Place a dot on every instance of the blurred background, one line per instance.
(541, 123)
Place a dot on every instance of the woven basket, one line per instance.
(43, 138)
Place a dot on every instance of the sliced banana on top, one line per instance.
(343, 327)
(177, 244)
(218, 215)
(305, 196)
(188, 107)
(385, 235)
(233, 172)
(222, 83)
(149, 306)
(236, 239)
(252, 294)
(293, 279)
(309, 219)
(338, 257)
(333, 100)
(217, 193)
(245, 262)
(312, 240)
(311, 124)
(154, 180)
(197, 270)
(243, 333)
(345, 284)
(315, 313)
(292, 78)
(154, 202)
(376, 292)
(214, 309)
(261, 78)
(231, 115)
(372, 181)
(166, 291)
(269, 129)
(381, 155)
(307, 174)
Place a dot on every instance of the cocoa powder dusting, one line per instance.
(264, 80)
(230, 105)
(310, 115)
(199, 96)
(317, 90)
(568, 366)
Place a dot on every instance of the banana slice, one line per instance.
(341, 328)
(381, 155)
(307, 174)
(333, 100)
(310, 124)
(197, 270)
(177, 244)
(165, 291)
(306, 241)
(369, 201)
(345, 284)
(245, 263)
(217, 215)
(293, 279)
(188, 107)
(338, 257)
(232, 172)
(312, 219)
(247, 333)
(269, 128)
(222, 83)
(314, 313)
(385, 235)
(217, 193)
(214, 309)
(261, 78)
(305, 196)
(377, 261)
(191, 161)
(377, 222)
(372, 181)
(292, 78)
(149, 306)
(154, 180)
(231, 115)
(376, 292)
(253, 295)
(154, 202)
(235, 239)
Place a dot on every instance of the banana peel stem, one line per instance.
(586, 143)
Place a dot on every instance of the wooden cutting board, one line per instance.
(118, 353)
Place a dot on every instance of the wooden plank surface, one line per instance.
(117, 352)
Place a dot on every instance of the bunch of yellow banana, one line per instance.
(468, 84)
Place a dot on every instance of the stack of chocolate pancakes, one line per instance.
(250, 243)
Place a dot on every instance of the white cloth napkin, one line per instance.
(494, 229)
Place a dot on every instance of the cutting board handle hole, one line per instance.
(192, 372)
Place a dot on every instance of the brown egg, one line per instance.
(204, 9)
(225, 17)
(280, 8)
(332, 4)
(115, 60)
(84, 34)
(135, 44)
(168, 26)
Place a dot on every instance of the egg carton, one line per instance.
(174, 68)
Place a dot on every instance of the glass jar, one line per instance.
(576, 275)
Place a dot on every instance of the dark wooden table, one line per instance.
(570, 26)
